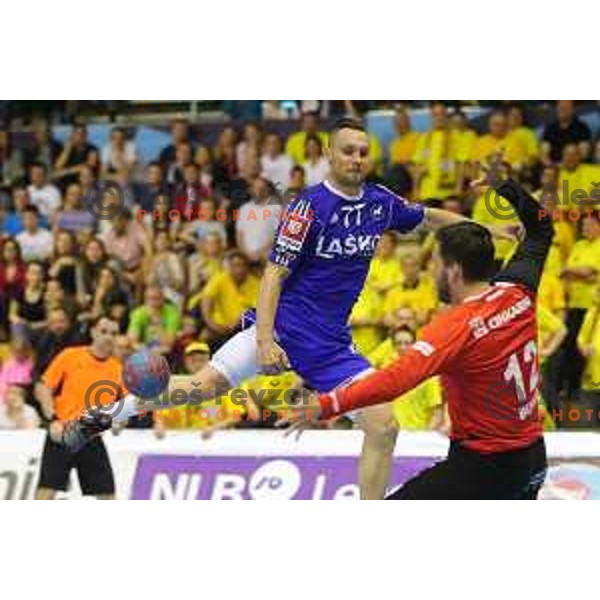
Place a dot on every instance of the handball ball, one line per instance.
(146, 374)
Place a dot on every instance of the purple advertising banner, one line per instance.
(169, 477)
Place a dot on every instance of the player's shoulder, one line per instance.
(503, 299)
(71, 354)
(382, 192)
(73, 351)
(312, 202)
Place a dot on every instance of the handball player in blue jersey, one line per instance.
(315, 273)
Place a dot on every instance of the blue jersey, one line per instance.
(327, 240)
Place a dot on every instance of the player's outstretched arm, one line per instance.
(439, 344)
(527, 264)
(437, 218)
(271, 358)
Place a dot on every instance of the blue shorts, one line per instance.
(322, 367)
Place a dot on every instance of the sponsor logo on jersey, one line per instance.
(295, 228)
(351, 245)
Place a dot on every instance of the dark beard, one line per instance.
(443, 288)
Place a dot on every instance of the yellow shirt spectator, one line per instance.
(296, 142)
(551, 293)
(384, 274)
(421, 297)
(403, 148)
(586, 254)
(528, 140)
(588, 342)
(491, 210)
(413, 410)
(513, 147)
(366, 320)
(376, 154)
(549, 325)
(437, 154)
(581, 177)
(229, 299)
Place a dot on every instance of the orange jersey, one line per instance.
(80, 381)
(485, 350)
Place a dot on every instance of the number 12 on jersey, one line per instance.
(526, 393)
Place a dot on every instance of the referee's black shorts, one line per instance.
(469, 475)
(91, 462)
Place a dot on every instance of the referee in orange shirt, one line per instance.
(79, 378)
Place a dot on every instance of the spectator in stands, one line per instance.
(566, 129)
(15, 414)
(46, 149)
(152, 187)
(227, 295)
(27, 311)
(403, 146)
(257, 222)
(195, 230)
(588, 343)
(42, 193)
(385, 272)
(94, 258)
(527, 136)
(123, 347)
(73, 216)
(564, 232)
(416, 292)
(12, 170)
(225, 166)
(158, 217)
(66, 265)
(88, 180)
(12, 280)
(297, 183)
(180, 134)
(55, 297)
(366, 320)
(189, 334)
(37, 243)
(581, 278)
(422, 407)
(436, 158)
(275, 165)
(189, 192)
(206, 262)
(59, 333)
(119, 154)
(155, 323)
(11, 212)
(250, 146)
(296, 143)
(513, 146)
(176, 169)
(463, 139)
(204, 161)
(235, 192)
(77, 152)
(166, 269)
(17, 369)
(573, 176)
(128, 243)
(108, 293)
(315, 165)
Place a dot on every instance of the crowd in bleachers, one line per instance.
(181, 260)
